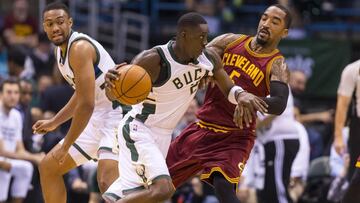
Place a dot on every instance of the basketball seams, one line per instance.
(136, 83)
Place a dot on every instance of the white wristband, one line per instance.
(232, 93)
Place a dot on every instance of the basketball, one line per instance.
(133, 86)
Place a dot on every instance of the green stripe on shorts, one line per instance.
(112, 195)
(88, 157)
(128, 191)
(129, 142)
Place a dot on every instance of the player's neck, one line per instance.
(180, 54)
(4, 109)
(261, 49)
(63, 49)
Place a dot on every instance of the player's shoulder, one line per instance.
(149, 54)
(354, 66)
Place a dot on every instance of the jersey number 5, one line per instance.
(233, 74)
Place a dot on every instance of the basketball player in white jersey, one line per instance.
(14, 159)
(144, 134)
(81, 60)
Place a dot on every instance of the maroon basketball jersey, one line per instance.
(247, 69)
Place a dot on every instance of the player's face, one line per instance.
(297, 82)
(10, 95)
(26, 93)
(272, 26)
(57, 25)
(196, 40)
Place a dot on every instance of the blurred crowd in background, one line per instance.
(319, 176)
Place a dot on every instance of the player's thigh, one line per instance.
(86, 146)
(140, 159)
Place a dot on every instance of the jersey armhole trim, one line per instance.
(235, 43)
(165, 69)
(97, 70)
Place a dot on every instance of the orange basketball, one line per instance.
(133, 86)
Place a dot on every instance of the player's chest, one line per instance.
(183, 80)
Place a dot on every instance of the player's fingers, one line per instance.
(236, 114)
(250, 107)
(113, 74)
(247, 117)
(258, 106)
(262, 102)
(239, 116)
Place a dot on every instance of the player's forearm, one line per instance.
(66, 112)
(307, 118)
(279, 92)
(340, 118)
(82, 115)
(16, 155)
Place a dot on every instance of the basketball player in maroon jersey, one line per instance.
(215, 146)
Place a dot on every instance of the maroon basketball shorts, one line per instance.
(204, 148)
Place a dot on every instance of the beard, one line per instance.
(260, 41)
(59, 43)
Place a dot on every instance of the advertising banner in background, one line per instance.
(321, 60)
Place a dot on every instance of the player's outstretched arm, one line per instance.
(82, 56)
(342, 106)
(219, 43)
(279, 89)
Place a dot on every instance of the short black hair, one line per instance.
(55, 6)
(10, 80)
(190, 20)
(288, 17)
(17, 55)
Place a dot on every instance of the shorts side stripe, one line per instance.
(106, 149)
(357, 165)
(128, 191)
(112, 196)
(218, 169)
(129, 142)
(88, 157)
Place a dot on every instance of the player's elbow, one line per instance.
(87, 106)
(277, 102)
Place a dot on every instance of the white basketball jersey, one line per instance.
(283, 126)
(102, 65)
(169, 100)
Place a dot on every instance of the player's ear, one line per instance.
(285, 33)
(70, 22)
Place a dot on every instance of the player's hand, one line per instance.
(339, 145)
(246, 109)
(205, 81)
(44, 126)
(60, 154)
(112, 75)
(242, 115)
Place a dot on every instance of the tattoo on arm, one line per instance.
(219, 43)
(280, 71)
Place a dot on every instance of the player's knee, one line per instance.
(162, 190)
(104, 182)
(46, 166)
